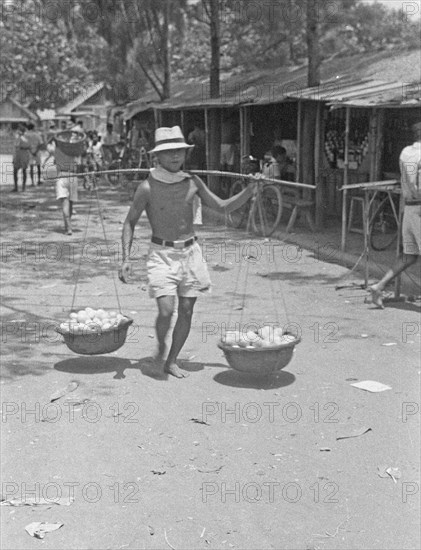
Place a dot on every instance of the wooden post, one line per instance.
(207, 133)
(298, 159)
(246, 111)
(372, 144)
(182, 121)
(345, 182)
(156, 118)
(241, 112)
(366, 227)
(320, 202)
(379, 145)
(399, 244)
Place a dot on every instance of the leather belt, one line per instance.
(174, 244)
(414, 202)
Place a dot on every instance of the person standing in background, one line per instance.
(20, 157)
(35, 146)
(410, 167)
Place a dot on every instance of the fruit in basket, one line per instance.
(82, 316)
(266, 332)
(266, 337)
(89, 321)
(231, 337)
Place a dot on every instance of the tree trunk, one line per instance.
(215, 47)
(166, 88)
(313, 47)
(214, 114)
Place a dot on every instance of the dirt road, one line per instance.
(219, 459)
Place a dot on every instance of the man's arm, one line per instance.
(139, 204)
(224, 205)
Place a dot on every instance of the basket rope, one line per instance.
(80, 257)
(106, 244)
(84, 241)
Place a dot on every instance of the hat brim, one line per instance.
(170, 147)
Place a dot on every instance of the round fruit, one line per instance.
(82, 317)
(278, 331)
(231, 337)
(252, 337)
(266, 332)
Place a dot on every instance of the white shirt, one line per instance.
(410, 166)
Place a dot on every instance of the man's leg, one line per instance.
(23, 179)
(180, 333)
(399, 266)
(65, 205)
(39, 174)
(31, 173)
(163, 322)
(15, 179)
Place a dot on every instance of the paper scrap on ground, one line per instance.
(34, 501)
(384, 471)
(59, 393)
(38, 529)
(371, 385)
(354, 433)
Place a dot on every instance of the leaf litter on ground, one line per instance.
(38, 529)
(354, 433)
(60, 393)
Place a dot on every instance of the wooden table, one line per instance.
(371, 189)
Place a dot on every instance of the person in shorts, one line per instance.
(66, 182)
(175, 265)
(410, 167)
(35, 145)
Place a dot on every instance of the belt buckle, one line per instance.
(179, 244)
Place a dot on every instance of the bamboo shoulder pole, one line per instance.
(197, 172)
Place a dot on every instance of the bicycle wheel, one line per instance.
(113, 179)
(238, 218)
(383, 226)
(268, 210)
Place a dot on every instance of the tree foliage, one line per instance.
(40, 65)
(53, 49)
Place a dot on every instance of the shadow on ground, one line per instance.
(261, 382)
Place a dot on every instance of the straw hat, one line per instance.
(169, 138)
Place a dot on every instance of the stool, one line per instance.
(300, 206)
(352, 228)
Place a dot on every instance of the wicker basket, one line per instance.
(71, 148)
(97, 343)
(259, 360)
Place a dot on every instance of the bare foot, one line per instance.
(377, 297)
(160, 354)
(173, 369)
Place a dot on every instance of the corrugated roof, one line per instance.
(81, 98)
(360, 80)
(28, 114)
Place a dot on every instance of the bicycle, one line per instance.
(263, 213)
(123, 158)
(383, 226)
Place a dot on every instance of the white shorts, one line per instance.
(66, 188)
(411, 230)
(173, 272)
